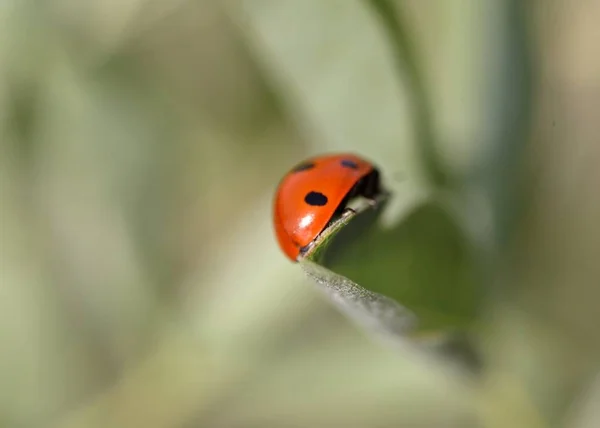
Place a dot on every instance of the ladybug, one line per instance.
(315, 193)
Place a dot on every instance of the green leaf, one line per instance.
(424, 264)
(376, 312)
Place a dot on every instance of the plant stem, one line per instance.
(407, 64)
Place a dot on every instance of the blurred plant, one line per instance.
(140, 145)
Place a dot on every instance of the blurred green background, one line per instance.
(141, 143)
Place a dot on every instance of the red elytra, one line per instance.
(314, 193)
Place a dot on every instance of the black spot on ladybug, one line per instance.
(315, 199)
(303, 167)
(349, 164)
